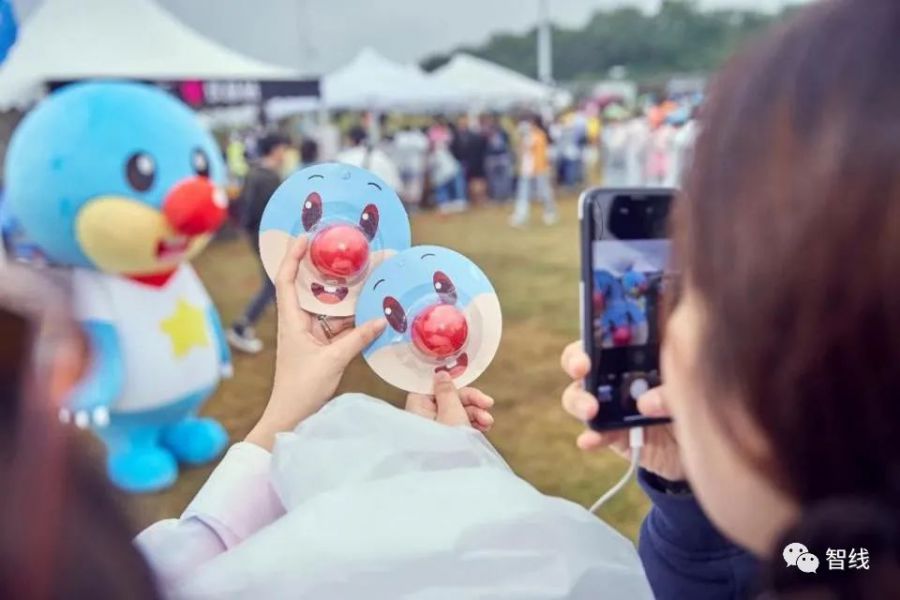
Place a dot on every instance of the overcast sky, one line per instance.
(319, 35)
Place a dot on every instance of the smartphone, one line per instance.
(625, 259)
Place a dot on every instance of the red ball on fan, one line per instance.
(339, 251)
(440, 331)
(621, 335)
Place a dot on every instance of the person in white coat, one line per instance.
(682, 146)
(363, 153)
(636, 156)
(616, 138)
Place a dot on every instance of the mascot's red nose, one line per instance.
(339, 251)
(440, 331)
(195, 206)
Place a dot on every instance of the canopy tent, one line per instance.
(489, 85)
(372, 82)
(68, 40)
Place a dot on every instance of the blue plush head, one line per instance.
(634, 283)
(443, 315)
(115, 176)
(354, 221)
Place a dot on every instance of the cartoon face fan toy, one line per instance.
(442, 313)
(354, 221)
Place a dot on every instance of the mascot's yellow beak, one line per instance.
(124, 236)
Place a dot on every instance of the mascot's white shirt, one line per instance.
(168, 343)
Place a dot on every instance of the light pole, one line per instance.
(544, 44)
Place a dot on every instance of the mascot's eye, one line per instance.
(444, 288)
(368, 221)
(394, 313)
(200, 163)
(141, 171)
(312, 211)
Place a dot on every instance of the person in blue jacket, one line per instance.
(779, 476)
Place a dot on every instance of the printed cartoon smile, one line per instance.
(456, 368)
(172, 248)
(329, 294)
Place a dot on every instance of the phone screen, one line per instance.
(627, 256)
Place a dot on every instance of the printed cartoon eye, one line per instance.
(368, 221)
(200, 162)
(140, 171)
(312, 211)
(444, 288)
(394, 313)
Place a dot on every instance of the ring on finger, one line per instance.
(326, 328)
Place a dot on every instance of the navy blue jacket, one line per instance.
(684, 556)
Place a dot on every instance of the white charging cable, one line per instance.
(635, 443)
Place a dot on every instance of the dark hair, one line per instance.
(63, 530)
(269, 142)
(538, 121)
(357, 135)
(309, 151)
(790, 232)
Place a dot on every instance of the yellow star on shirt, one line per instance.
(186, 328)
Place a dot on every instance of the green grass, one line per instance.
(535, 272)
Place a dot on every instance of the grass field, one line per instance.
(535, 272)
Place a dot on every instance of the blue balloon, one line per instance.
(9, 29)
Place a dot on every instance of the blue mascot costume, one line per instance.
(9, 29)
(119, 183)
(619, 320)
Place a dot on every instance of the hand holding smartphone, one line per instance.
(625, 254)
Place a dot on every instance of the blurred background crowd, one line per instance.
(451, 162)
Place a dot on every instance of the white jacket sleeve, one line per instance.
(236, 501)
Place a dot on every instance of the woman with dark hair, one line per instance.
(63, 529)
(781, 355)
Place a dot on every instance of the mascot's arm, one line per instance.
(90, 401)
(224, 352)
(635, 313)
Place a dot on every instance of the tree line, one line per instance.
(679, 38)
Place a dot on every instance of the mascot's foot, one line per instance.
(142, 470)
(195, 441)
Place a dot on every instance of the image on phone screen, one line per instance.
(629, 256)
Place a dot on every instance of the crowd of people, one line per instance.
(780, 361)
(451, 164)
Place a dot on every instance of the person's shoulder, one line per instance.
(256, 171)
(271, 176)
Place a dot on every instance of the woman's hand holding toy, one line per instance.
(467, 406)
(308, 365)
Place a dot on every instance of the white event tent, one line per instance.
(371, 81)
(69, 40)
(488, 85)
